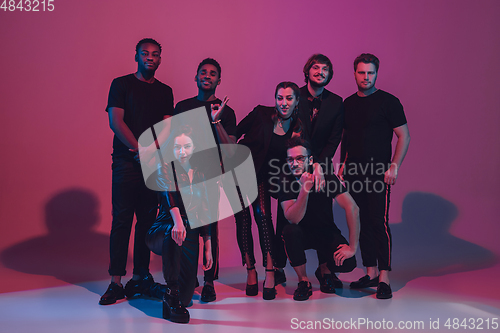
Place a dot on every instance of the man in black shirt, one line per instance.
(310, 214)
(135, 103)
(322, 114)
(371, 118)
(223, 122)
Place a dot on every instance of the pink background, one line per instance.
(440, 58)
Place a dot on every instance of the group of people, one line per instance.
(292, 146)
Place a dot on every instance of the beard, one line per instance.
(318, 85)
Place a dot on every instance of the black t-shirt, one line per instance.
(318, 218)
(368, 127)
(228, 117)
(207, 156)
(145, 104)
(276, 154)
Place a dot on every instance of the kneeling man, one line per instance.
(310, 214)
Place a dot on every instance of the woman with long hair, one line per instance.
(266, 130)
(174, 236)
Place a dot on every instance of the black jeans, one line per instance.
(262, 214)
(279, 254)
(298, 239)
(180, 263)
(213, 273)
(130, 196)
(372, 196)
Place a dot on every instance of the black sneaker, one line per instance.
(139, 287)
(112, 294)
(364, 282)
(173, 309)
(327, 282)
(157, 290)
(384, 291)
(279, 277)
(208, 293)
(303, 291)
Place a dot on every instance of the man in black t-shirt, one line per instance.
(223, 123)
(322, 115)
(311, 226)
(371, 118)
(135, 103)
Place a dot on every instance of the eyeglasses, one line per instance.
(299, 159)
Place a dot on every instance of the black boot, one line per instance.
(173, 309)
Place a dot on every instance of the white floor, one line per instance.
(417, 305)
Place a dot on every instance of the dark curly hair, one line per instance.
(144, 41)
(318, 58)
(209, 61)
(298, 141)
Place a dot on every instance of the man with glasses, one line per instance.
(322, 115)
(310, 214)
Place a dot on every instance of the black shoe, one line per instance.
(303, 291)
(327, 282)
(112, 294)
(268, 293)
(157, 290)
(208, 293)
(141, 287)
(279, 277)
(364, 282)
(384, 291)
(252, 289)
(173, 309)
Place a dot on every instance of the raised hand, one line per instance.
(218, 108)
(307, 181)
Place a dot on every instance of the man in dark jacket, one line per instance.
(322, 115)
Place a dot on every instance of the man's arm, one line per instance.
(343, 157)
(330, 147)
(403, 135)
(121, 130)
(335, 135)
(295, 210)
(148, 153)
(345, 251)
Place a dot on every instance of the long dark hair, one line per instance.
(296, 124)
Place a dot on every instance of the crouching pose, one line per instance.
(171, 236)
(311, 222)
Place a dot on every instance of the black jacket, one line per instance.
(326, 136)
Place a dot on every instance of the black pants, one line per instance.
(262, 214)
(372, 196)
(298, 239)
(180, 263)
(213, 273)
(279, 254)
(130, 196)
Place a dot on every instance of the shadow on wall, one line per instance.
(422, 243)
(71, 251)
